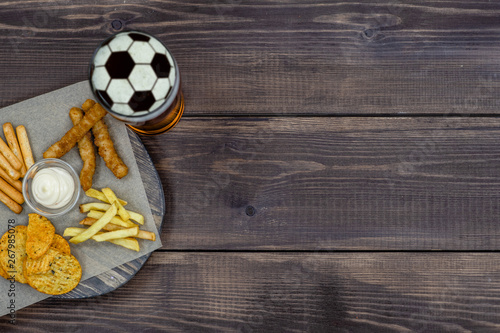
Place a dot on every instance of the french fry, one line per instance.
(93, 229)
(94, 206)
(136, 217)
(124, 233)
(5, 165)
(24, 143)
(119, 231)
(104, 206)
(17, 184)
(96, 194)
(147, 235)
(116, 220)
(110, 195)
(129, 243)
(10, 136)
(11, 192)
(142, 234)
(73, 231)
(88, 221)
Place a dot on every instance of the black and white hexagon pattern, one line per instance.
(133, 73)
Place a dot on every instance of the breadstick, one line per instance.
(13, 206)
(17, 184)
(9, 155)
(10, 136)
(24, 143)
(11, 192)
(87, 153)
(76, 133)
(4, 164)
(106, 147)
(88, 104)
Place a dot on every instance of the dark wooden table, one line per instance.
(337, 167)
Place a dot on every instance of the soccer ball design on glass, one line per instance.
(132, 73)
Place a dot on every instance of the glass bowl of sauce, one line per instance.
(51, 187)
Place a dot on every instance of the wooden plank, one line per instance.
(350, 183)
(268, 57)
(291, 292)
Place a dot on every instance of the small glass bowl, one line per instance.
(28, 194)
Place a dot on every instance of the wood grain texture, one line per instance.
(349, 183)
(288, 292)
(118, 276)
(287, 181)
(269, 57)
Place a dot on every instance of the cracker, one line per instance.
(63, 276)
(17, 240)
(40, 236)
(60, 244)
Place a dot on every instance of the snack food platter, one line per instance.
(116, 277)
(104, 268)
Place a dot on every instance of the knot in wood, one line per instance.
(117, 24)
(369, 33)
(250, 210)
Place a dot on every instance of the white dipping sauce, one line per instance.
(53, 187)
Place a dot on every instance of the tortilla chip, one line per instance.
(40, 236)
(3, 273)
(60, 244)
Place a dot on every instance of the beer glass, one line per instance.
(136, 79)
